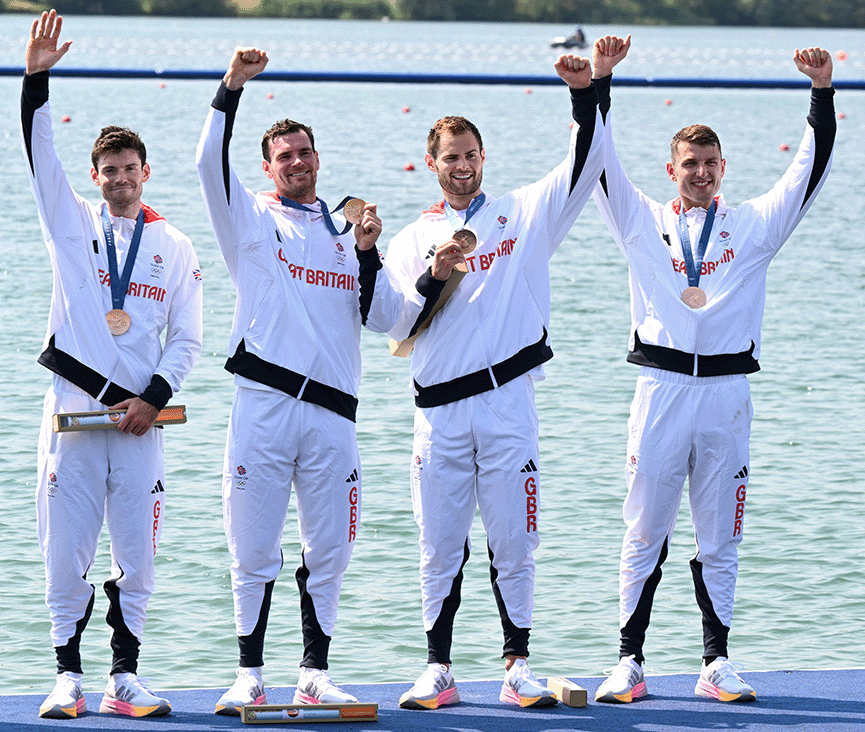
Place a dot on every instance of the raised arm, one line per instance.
(245, 64)
(607, 52)
(559, 197)
(229, 205)
(42, 52)
(55, 199)
(816, 64)
(617, 199)
(575, 71)
(790, 198)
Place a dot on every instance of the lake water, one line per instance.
(800, 601)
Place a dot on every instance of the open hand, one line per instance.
(42, 52)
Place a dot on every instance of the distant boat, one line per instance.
(576, 40)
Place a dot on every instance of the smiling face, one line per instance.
(458, 164)
(121, 176)
(697, 170)
(293, 166)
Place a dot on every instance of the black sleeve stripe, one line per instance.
(822, 118)
(604, 183)
(370, 264)
(158, 392)
(226, 100)
(431, 289)
(602, 87)
(34, 93)
(583, 102)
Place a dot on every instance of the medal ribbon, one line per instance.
(328, 220)
(454, 218)
(693, 267)
(119, 285)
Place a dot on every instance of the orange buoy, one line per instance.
(408, 166)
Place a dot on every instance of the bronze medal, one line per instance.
(118, 321)
(353, 210)
(466, 239)
(694, 297)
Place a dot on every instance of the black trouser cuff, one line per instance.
(438, 642)
(516, 642)
(315, 653)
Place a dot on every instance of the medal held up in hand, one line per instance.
(353, 210)
(468, 240)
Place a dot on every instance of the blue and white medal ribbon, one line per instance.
(118, 320)
(693, 296)
(328, 220)
(454, 218)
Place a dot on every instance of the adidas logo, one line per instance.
(529, 467)
(158, 488)
(742, 474)
(353, 477)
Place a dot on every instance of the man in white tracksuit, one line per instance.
(305, 286)
(474, 367)
(116, 475)
(698, 284)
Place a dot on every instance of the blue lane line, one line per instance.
(391, 78)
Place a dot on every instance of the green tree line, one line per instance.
(828, 13)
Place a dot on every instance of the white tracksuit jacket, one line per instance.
(301, 292)
(82, 473)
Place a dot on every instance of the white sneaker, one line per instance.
(66, 700)
(719, 680)
(126, 694)
(434, 688)
(247, 690)
(521, 687)
(625, 683)
(315, 687)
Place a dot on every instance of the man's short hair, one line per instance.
(694, 135)
(453, 125)
(113, 139)
(281, 128)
